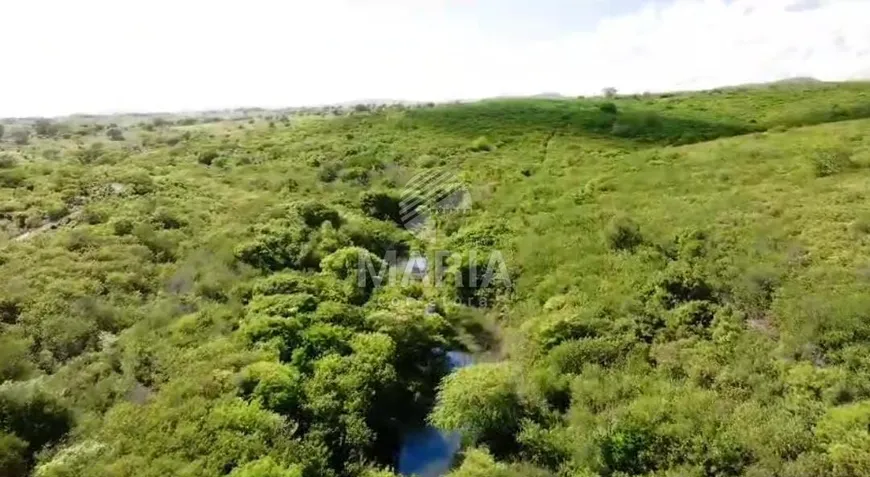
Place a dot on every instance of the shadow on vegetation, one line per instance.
(599, 119)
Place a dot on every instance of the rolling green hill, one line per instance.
(685, 289)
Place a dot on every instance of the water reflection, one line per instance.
(430, 452)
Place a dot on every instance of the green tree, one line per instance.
(45, 128)
(21, 137)
(32, 416)
(115, 134)
(266, 467)
(481, 402)
(13, 455)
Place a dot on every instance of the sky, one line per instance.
(60, 57)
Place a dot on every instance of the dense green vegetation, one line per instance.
(687, 291)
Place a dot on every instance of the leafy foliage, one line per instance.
(683, 289)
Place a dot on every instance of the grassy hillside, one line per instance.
(685, 291)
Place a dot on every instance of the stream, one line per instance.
(429, 452)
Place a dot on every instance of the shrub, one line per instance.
(141, 183)
(7, 161)
(167, 219)
(283, 305)
(623, 234)
(479, 278)
(827, 162)
(90, 154)
(207, 158)
(480, 463)
(115, 134)
(276, 386)
(481, 402)
(51, 154)
(315, 213)
(357, 175)
(266, 467)
(382, 206)
(608, 107)
(350, 263)
(481, 144)
(377, 237)
(861, 226)
(21, 137)
(57, 212)
(691, 318)
(570, 356)
(163, 246)
(45, 128)
(12, 179)
(262, 329)
(681, 283)
(32, 415)
(284, 283)
(13, 455)
(276, 246)
(328, 172)
(2, 131)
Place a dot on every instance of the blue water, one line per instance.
(430, 452)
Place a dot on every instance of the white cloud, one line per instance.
(103, 56)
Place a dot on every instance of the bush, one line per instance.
(92, 216)
(12, 179)
(21, 137)
(2, 131)
(122, 227)
(382, 206)
(315, 213)
(479, 278)
(57, 212)
(32, 415)
(283, 305)
(278, 387)
(356, 175)
(167, 219)
(481, 144)
(828, 162)
(115, 134)
(349, 263)
(90, 154)
(265, 467)
(623, 234)
(45, 128)
(608, 107)
(481, 402)
(7, 161)
(681, 283)
(328, 172)
(569, 357)
(207, 158)
(276, 246)
(13, 455)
